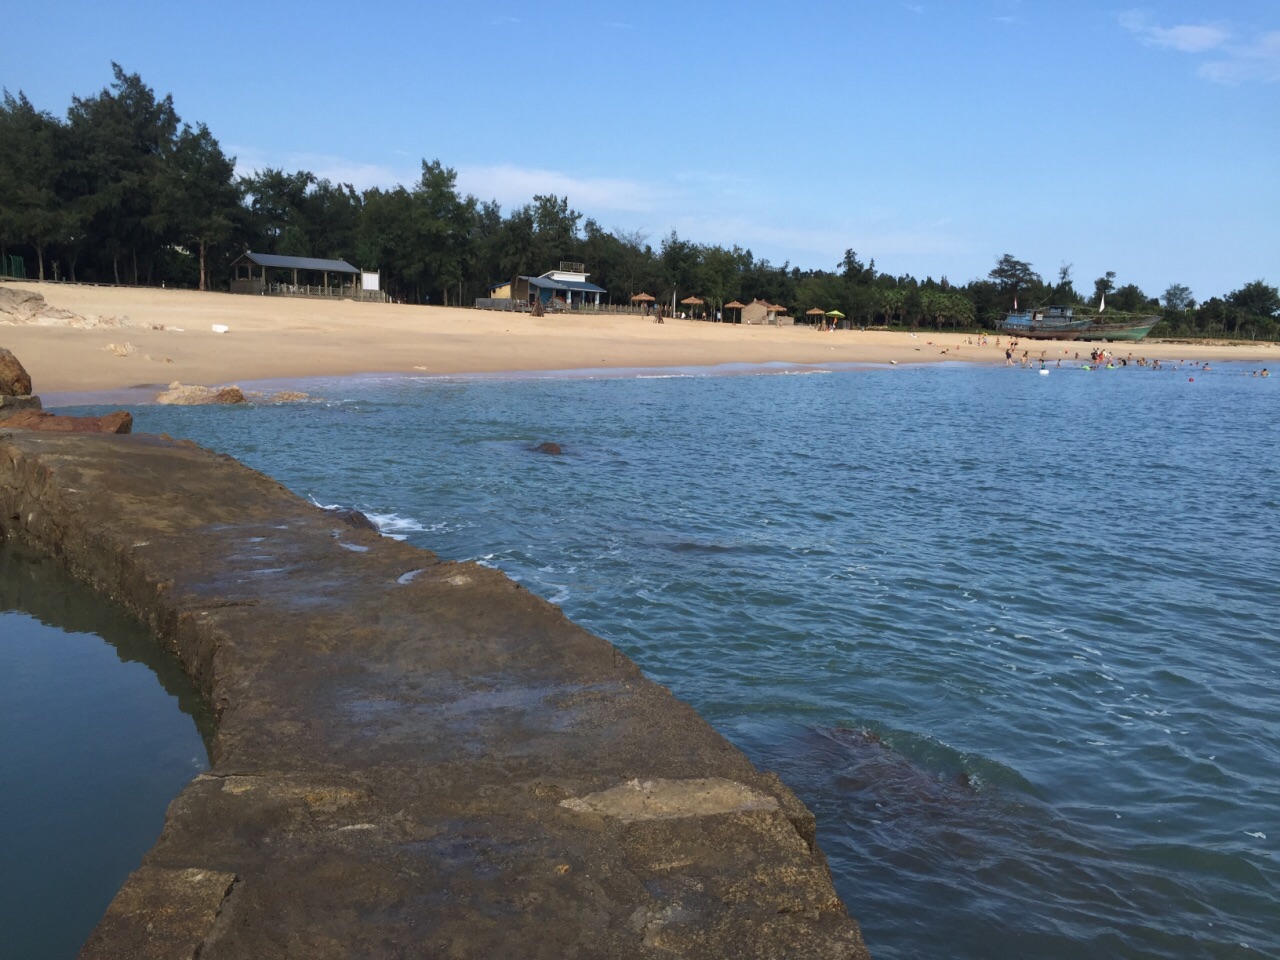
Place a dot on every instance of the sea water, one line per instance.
(99, 731)
(1013, 638)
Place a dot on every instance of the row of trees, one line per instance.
(122, 190)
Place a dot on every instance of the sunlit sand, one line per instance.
(169, 335)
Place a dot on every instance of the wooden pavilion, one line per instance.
(262, 273)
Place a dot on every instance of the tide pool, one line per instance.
(101, 730)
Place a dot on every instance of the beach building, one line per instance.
(270, 274)
(563, 289)
(764, 312)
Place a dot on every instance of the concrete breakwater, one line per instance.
(412, 757)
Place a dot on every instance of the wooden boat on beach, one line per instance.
(1045, 323)
(1062, 323)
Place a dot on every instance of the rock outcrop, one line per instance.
(11, 405)
(23, 306)
(120, 421)
(193, 394)
(352, 518)
(552, 449)
(14, 379)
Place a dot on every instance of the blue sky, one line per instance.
(931, 136)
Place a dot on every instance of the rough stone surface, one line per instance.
(14, 379)
(177, 908)
(397, 739)
(194, 394)
(11, 405)
(20, 306)
(119, 422)
(669, 799)
(352, 518)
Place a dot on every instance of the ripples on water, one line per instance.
(1011, 637)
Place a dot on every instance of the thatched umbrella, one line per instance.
(692, 302)
(815, 312)
(643, 299)
(735, 305)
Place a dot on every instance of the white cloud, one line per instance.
(360, 175)
(1233, 61)
(511, 185)
(820, 245)
(1259, 60)
(1185, 38)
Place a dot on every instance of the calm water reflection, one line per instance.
(100, 731)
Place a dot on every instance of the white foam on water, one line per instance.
(397, 527)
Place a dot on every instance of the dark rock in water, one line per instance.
(353, 518)
(229, 395)
(550, 448)
(119, 422)
(14, 379)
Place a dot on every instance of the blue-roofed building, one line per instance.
(564, 289)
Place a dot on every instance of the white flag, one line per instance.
(1103, 305)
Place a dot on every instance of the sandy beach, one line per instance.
(161, 336)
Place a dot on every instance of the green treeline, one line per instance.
(123, 191)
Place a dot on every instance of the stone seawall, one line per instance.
(413, 758)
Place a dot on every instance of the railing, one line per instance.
(558, 306)
(339, 292)
(13, 267)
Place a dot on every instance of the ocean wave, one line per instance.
(397, 527)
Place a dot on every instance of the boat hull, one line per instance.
(1120, 331)
(1035, 327)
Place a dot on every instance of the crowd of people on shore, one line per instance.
(1099, 358)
